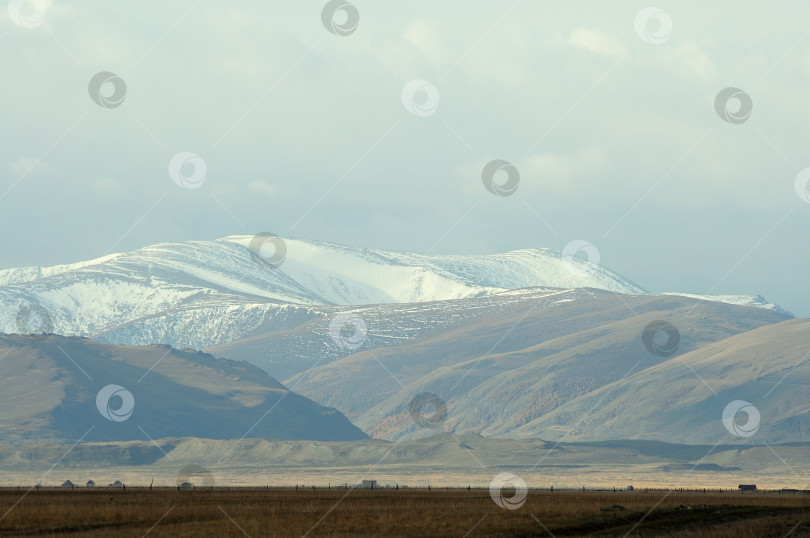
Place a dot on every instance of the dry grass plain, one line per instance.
(411, 512)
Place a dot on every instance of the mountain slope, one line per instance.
(54, 387)
(498, 373)
(766, 367)
(294, 348)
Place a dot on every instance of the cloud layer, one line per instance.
(607, 111)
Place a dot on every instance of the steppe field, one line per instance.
(404, 512)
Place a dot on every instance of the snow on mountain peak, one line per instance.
(198, 293)
(757, 301)
(378, 276)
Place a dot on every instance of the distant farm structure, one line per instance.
(747, 487)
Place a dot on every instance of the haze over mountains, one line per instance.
(526, 344)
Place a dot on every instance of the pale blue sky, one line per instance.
(304, 133)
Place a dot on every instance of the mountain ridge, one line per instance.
(225, 289)
(71, 388)
(365, 331)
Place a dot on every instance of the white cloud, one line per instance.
(262, 187)
(108, 185)
(565, 173)
(428, 40)
(29, 165)
(690, 54)
(596, 41)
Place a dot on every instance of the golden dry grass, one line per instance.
(338, 512)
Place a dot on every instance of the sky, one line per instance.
(371, 124)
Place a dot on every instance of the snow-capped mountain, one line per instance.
(314, 272)
(757, 301)
(504, 339)
(227, 284)
(199, 294)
